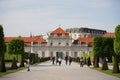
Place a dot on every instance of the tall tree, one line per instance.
(107, 51)
(2, 50)
(116, 49)
(97, 50)
(16, 46)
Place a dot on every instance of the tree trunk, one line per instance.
(14, 64)
(115, 65)
(2, 64)
(96, 62)
(22, 62)
(85, 61)
(104, 64)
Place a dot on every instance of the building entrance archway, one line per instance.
(59, 54)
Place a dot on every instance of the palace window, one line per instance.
(75, 54)
(51, 54)
(43, 54)
(67, 44)
(51, 44)
(59, 43)
(67, 53)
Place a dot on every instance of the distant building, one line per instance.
(60, 43)
(84, 32)
(109, 34)
(28, 41)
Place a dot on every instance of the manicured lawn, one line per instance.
(11, 71)
(108, 72)
(11, 56)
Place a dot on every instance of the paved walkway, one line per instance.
(46, 71)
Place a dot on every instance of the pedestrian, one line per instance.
(81, 62)
(28, 64)
(66, 59)
(53, 60)
(88, 61)
(70, 60)
(93, 61)
(59, 60)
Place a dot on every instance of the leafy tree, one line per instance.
(97, 50)
(103, 47)
(2, 50)
(16, 46)
(116, 49)
(107, 51)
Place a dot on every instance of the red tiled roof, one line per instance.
(27, 40)
(85, 40)
(59, 31)
(109, 34)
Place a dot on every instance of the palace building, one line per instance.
(59, 43)
(85, 32)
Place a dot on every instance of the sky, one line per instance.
(39, 17)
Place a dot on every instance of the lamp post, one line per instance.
(29, 51)
(88, 52)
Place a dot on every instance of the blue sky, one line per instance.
(22, 17)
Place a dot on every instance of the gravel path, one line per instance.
(47, 71)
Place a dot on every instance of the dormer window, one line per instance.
(59, 43)
(67, 44)
(63, 35)
(55, 35)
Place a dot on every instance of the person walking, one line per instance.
(53, 60)
(88, 61)
(81, 62)
(28, 64)
(70, 60)
(59, 60)
(66, 59)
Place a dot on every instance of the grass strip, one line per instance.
(11, 71)
(109, 72)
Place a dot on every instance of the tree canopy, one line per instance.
(117, 40)
(116, 49)
(103, 46)
(97, 43)
(107, 47)
(2, 43)
(16, 46)
(2, 50)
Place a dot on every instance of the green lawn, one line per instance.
(8, 60)
(11, 56)
(11, 71)
(108, 72)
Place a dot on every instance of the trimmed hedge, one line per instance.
(8, 60)
(77, 59)
(32, 56)
(43, 59)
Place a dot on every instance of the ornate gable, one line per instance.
(59, 32)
